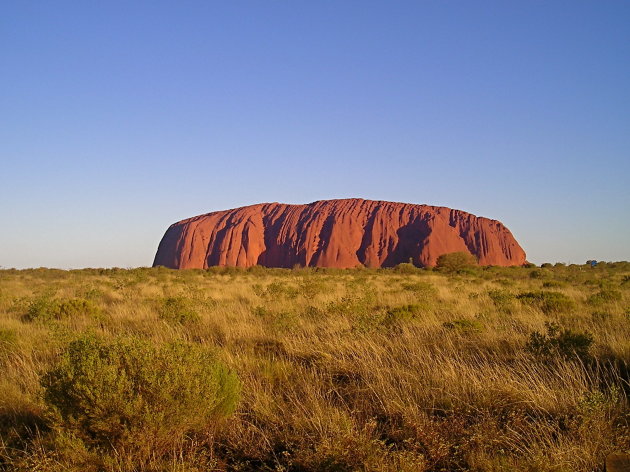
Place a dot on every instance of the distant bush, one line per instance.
(178, 310)
(132, 397)
(546, 265)
(405, 268)
(455, 261)
(563, 342)
(46, 309)
(275, 290)
(547, 301)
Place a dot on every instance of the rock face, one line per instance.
(334, 233)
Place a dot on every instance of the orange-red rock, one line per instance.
(334, 233)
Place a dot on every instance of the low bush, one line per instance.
(502, 299)
(405, 268)
(604, 296)
(560, 341)
(130, 397)
(178, 310)
(547, 301)
(276, 290)
(46, 309)
(401, 314)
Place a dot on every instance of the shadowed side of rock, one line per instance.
(334, 233)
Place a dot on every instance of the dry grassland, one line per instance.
(492, 369)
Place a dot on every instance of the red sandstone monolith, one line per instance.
(334, 233)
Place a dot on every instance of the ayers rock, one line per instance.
(334, 233)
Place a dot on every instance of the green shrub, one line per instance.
(276, 290)
(557, 341)
(455, 261)
(372, 320)
(605, 296)
(46, 309)
(133, 397)
(401, 314)
(405, 268)
(178, 310)
(547, 301)
(502, 299)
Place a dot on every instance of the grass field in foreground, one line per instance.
(403, 369)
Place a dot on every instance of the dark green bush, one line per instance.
(178, 310)
(46, 309)
(547, 301)
(455, 261)
(132, 397)
(560, 341)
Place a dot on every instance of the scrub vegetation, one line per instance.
(459, 368)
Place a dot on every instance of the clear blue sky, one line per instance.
(119, 118)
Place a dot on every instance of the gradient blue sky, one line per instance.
(119, 118)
